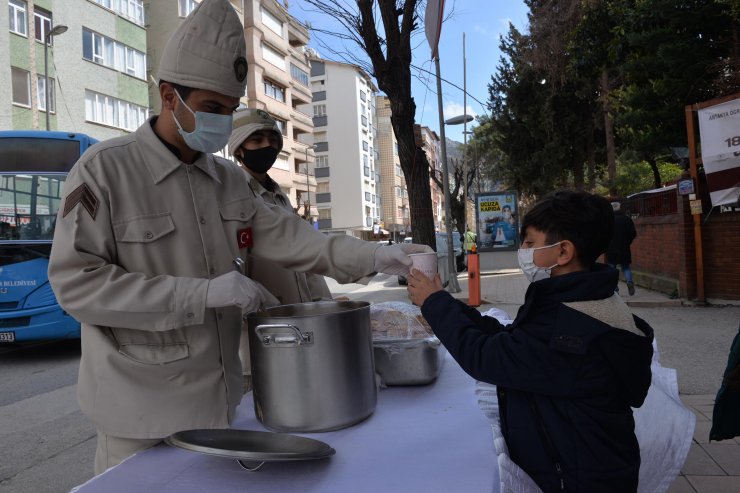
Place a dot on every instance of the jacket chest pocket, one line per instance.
(144, 229)
(237, 221)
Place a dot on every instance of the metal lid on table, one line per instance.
(249, 445)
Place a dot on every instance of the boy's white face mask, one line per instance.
(526, 262)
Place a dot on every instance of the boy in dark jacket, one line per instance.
(573, 362)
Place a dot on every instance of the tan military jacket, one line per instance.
(137, 238)
(286, 285)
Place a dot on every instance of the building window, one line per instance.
(41, 93)
(365, 145)
(17, 14)
(132, 9)
(274, 91)
(367, 196)
(283, 126)
(365, 160)
(42, 22)
(108, 110)
(322, 161)
(21, 86)
(319, 110)
(184, 7)
(110, 53)
(298, 74)
(271, 22)
(363, 97)
(274, 57)
(399, 171)
(364, 120)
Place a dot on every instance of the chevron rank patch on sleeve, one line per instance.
(81, 195)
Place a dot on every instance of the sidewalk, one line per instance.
(710, 467)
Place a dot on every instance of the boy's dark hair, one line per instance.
(582, 218)
(183, 91)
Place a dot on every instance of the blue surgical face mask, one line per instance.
(211, 132)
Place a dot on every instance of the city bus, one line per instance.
(33, 167)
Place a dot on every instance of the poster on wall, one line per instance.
(497, 221)
(719, 130)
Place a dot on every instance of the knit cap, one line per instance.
(247, 122)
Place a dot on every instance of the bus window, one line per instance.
(33, 169)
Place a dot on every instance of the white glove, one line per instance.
(235, 289)
(395, 260)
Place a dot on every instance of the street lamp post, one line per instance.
(59, 29)
(457, 120)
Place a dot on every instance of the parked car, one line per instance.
(441, 243)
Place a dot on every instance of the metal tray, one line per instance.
(408, 361)
(257, 446)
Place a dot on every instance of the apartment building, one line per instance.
(277, 82)
(347, 172)
(394, 194)
(431, 144)
(96, 52)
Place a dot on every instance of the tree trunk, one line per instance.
(416, 172)
(591, 163)
(611, 154)
(656, 172)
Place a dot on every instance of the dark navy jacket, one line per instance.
(563, 377)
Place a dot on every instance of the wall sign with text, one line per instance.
(497, 220)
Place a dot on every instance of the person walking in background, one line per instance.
(468, 241)
(256, 142)
(726, 413)
(619, 248)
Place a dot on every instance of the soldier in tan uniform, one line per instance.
(256, 142)
(144, 244)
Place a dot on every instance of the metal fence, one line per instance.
(661, 202)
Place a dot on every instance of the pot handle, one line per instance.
(282, 339)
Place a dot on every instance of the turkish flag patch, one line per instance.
(244, 237)
(84, 196)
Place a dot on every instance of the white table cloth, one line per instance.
(431, 438)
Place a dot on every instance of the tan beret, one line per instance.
(249, 121)
(207, 51)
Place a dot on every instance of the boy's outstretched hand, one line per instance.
(420, 286)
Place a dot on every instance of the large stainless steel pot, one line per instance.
(312, 365)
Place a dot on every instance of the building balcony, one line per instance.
(320, 121)
(322, 172)
(325, 224)
(297, 33)
(323, 198)
(302, 123)
(319, 96)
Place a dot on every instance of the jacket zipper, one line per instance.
(547, 442)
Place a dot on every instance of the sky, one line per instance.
(482, 21)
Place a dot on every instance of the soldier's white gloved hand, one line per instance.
(235, 289)
(270, 299)
(395, 260)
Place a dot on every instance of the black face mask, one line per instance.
(260, 160)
